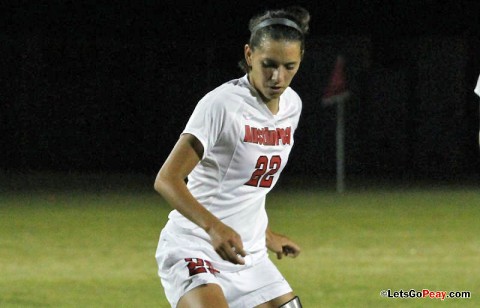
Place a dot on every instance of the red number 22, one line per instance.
(264, 171)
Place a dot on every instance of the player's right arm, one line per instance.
(170, 183)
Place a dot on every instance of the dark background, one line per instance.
(108, 86)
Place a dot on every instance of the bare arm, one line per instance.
(281, 244)
(170, 183)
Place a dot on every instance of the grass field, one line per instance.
(95, 247)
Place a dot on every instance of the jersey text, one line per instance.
(265, 136)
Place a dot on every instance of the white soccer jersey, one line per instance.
(246, 148)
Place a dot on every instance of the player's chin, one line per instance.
(268, 95)
(274, 95)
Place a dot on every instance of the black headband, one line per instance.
(277, 21)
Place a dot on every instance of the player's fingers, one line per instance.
(291, 251)
(228, 253)
(221, 253)
(294, 247)
(238, 255)
(239, 259)
(238, 249)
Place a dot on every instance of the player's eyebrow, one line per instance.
(269, 61)
(291, 63)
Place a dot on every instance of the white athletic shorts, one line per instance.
(186, 261)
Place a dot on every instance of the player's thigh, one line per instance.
(203, 296)
(277, 302)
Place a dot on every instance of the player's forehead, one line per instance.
(281, 50)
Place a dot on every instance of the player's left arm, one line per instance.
(281, 245)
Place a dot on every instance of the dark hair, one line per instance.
(297, 14)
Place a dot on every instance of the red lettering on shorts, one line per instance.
(198, 266)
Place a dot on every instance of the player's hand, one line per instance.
(281, 245)
(227, 243)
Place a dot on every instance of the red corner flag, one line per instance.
(337, 86)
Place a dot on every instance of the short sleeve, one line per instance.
(206, 122)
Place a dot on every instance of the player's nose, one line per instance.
(278, 75)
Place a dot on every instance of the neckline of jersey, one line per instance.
(263, 106)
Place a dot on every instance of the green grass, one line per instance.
(95, 248)
(361, 243)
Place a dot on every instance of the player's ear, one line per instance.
(248, 54)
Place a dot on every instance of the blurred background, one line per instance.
(94, 94)
(107, 87)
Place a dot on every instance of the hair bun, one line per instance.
(300, 15)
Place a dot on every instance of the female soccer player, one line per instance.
(213, 250)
